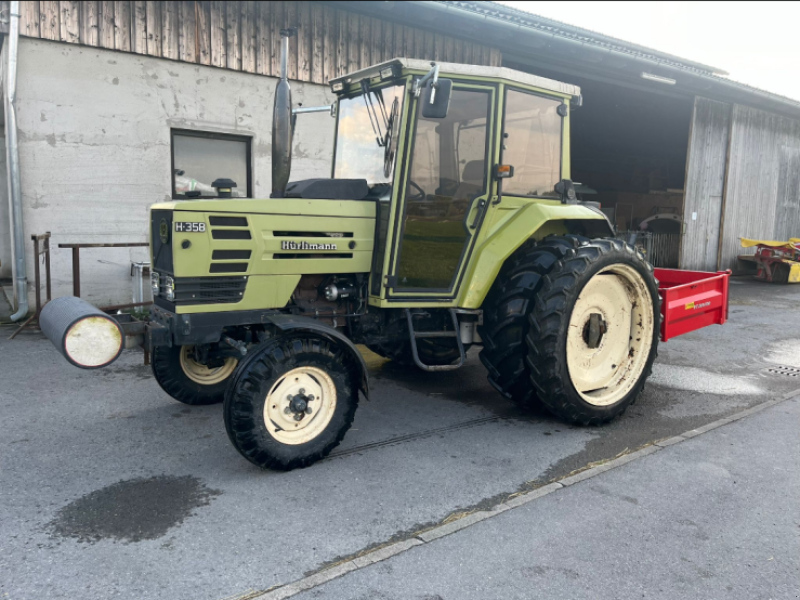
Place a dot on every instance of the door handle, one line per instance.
(478, 208)
(481, 206)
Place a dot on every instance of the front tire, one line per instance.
(291, 401)
(593, 334)
(188, 381)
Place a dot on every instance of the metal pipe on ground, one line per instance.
(12, 159)
(83, 334)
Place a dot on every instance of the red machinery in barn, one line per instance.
(776, 262)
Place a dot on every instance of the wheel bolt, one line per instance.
(308, 410)
(302, 391)
(289, 397)
(298, 417)
(310, 397)
(287, 410)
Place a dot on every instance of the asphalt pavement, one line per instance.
(715, 516)
(109, 489)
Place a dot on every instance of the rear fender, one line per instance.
(293, 323)
(530, 221)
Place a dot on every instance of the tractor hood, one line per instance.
(242, 254)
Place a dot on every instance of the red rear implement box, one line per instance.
(691, 300)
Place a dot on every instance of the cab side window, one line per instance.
(532, 144)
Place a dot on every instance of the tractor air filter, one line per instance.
(86, 336)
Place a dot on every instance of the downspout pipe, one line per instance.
(12, 160)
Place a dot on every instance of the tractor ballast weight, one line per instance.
(449, 221)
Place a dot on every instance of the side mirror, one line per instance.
(566, 189)
(436, 100)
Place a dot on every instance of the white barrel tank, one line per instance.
(86, 336)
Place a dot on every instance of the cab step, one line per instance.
(415, 335)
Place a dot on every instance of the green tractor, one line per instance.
(449, 221)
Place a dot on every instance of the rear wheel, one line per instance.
(505, 315)
(188, 381)
(593, 334)
(291, 401)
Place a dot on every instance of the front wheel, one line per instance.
(291, 401)
(188, 381)
(593, 334)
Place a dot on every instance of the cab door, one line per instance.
(446, 188)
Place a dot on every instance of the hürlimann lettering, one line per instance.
(306, 246)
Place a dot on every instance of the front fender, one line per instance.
(296, 323)
(531, 220)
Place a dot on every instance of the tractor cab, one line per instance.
(435, 145)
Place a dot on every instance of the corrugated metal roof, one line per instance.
(542, 25)
(526, 19)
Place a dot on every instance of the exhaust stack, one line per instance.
(282, 123)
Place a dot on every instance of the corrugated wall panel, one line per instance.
(787, 211)
(705, 179)
(243, 35)
(761, 196)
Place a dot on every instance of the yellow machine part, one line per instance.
(794, 271)
(748, 243)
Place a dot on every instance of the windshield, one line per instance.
(366, 138)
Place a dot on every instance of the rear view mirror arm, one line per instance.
(330, 108)
(433, 75)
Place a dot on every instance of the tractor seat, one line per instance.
(471, 180)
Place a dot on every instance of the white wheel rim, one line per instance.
(200, 373)
(280, 413)
(605, 374)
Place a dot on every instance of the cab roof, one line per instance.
(447, 69)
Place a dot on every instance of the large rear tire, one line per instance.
(291, 401)
(593, 333)
(505, 315)
(188, 381)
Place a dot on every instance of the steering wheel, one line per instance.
(420, 195)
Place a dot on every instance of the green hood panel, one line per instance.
(270, 242)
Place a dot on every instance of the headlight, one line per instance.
(169, 288)
(155, 282)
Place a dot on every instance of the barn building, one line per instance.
(123, 104)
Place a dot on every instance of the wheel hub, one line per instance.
(300, 405)
(594, 330)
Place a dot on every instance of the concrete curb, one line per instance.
(607, 466)
(384, 552)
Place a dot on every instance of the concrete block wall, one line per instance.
(94, 131)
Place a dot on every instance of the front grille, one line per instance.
(228, 267)
(230, 255)
(230, 234)
(228, 221)
(345, 234)
(205, 290)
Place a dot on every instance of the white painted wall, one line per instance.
(94, 131)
